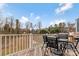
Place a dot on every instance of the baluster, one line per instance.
(9, 44)
(27, 46)
(22, 42)
(5, 45)
(13, 43)
(30, 41)
(25, 41)
(16, 43)
(0, 45)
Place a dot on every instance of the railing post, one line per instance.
(30, 40)
(0, 45)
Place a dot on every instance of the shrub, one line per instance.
(44, 31)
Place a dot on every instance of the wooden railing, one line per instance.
(11, 43)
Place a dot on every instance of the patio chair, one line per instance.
(62, 39)
(45, 41)
(51, 42)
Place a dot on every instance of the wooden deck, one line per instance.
(37, 51)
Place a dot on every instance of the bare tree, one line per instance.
(39, 25)
(62, 26)
(17, 26)
(6, 26)
(1, 22)
(28, 26)
(11, 24)
(55, 25)
(71, 26)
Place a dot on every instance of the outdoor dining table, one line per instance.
(66, 41)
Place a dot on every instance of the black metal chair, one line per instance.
(49, 42)
(53, 43)
(45, 41)
(62, 42)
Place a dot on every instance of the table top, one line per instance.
(60, 40)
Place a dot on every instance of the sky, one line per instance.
(47, 13)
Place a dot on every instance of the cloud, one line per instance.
(23, 20)
(57, 21)
(64, 7)
(37, 18)
(31, 14)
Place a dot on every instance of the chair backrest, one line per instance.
(52, 42)
(45, 39)
(63, 36)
